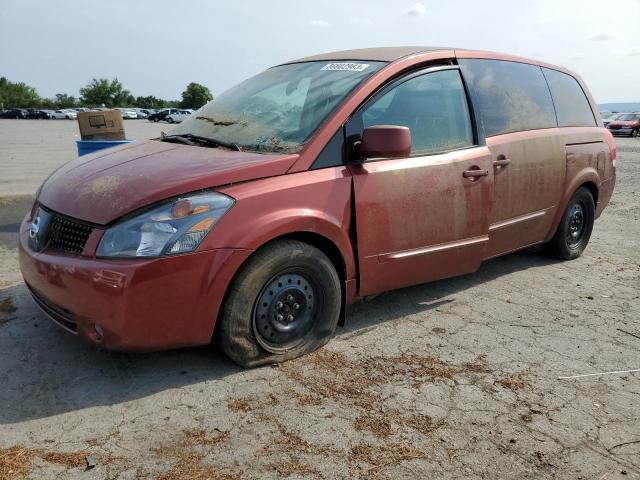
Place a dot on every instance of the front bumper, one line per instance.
(132, 305)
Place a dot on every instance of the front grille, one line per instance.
(68, 236)
(614, 127)
(60, 315)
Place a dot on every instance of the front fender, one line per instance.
(316, 202)
(295, 221)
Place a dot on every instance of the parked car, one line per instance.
(141, 113)
(626, 124)
(179, 116)
(17, 113)
(162, 114)
(128, 113)
(64, 114)
(39, 114)
(313, 184)
(606, 120)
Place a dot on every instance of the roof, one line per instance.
(380, 54)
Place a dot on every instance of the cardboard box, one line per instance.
(102, 125)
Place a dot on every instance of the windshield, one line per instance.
(279, 109)
(628, 117)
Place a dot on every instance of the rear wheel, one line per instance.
(634, 132)
(285, 302)
(575, 228)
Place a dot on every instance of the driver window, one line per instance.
(433, 106)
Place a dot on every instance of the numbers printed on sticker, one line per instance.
(348, 66)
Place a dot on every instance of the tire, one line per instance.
(170, 120)
(575, 227)
(284, 302)
(634, 132)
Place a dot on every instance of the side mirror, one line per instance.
(386, 141)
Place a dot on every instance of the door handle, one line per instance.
(501, 161)
(473, 174)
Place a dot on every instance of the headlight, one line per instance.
(174, 227)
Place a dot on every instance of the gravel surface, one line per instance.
(454, 379)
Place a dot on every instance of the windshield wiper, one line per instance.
(191, 139)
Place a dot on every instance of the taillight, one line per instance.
(613, 152)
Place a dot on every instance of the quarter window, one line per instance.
(510, 96)
(433, 106)
(572, 106)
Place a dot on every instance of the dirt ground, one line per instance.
(454, 379)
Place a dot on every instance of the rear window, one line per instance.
(572, 106)
(510, 96)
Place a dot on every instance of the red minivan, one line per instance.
(317, 182)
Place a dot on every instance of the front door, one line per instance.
(424, 217)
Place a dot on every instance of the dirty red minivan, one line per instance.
(315, 183)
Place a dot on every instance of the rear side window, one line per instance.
(572, 106)
(433, 106)
(510, 96)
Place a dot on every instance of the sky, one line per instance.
(157, 47)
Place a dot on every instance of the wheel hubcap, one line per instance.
(284, 311)
(576, 224)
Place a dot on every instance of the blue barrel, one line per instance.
(89, 146)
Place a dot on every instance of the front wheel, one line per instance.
(285, 302)
(575, 228)
(170, 120)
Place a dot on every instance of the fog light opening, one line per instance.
(96, 333)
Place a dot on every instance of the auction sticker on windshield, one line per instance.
(350, 67)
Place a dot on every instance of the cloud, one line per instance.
(604, 37)
(415, 10)
(320, 23)
(634, 52)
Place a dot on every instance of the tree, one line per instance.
(101, 91)
(149, 102)
(15, 95)
(195, 96)
(48, 104)
(65, 101)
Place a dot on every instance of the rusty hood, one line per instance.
(103, 186)
(623, 123)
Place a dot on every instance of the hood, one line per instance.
(624, 123)
(103, 186)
